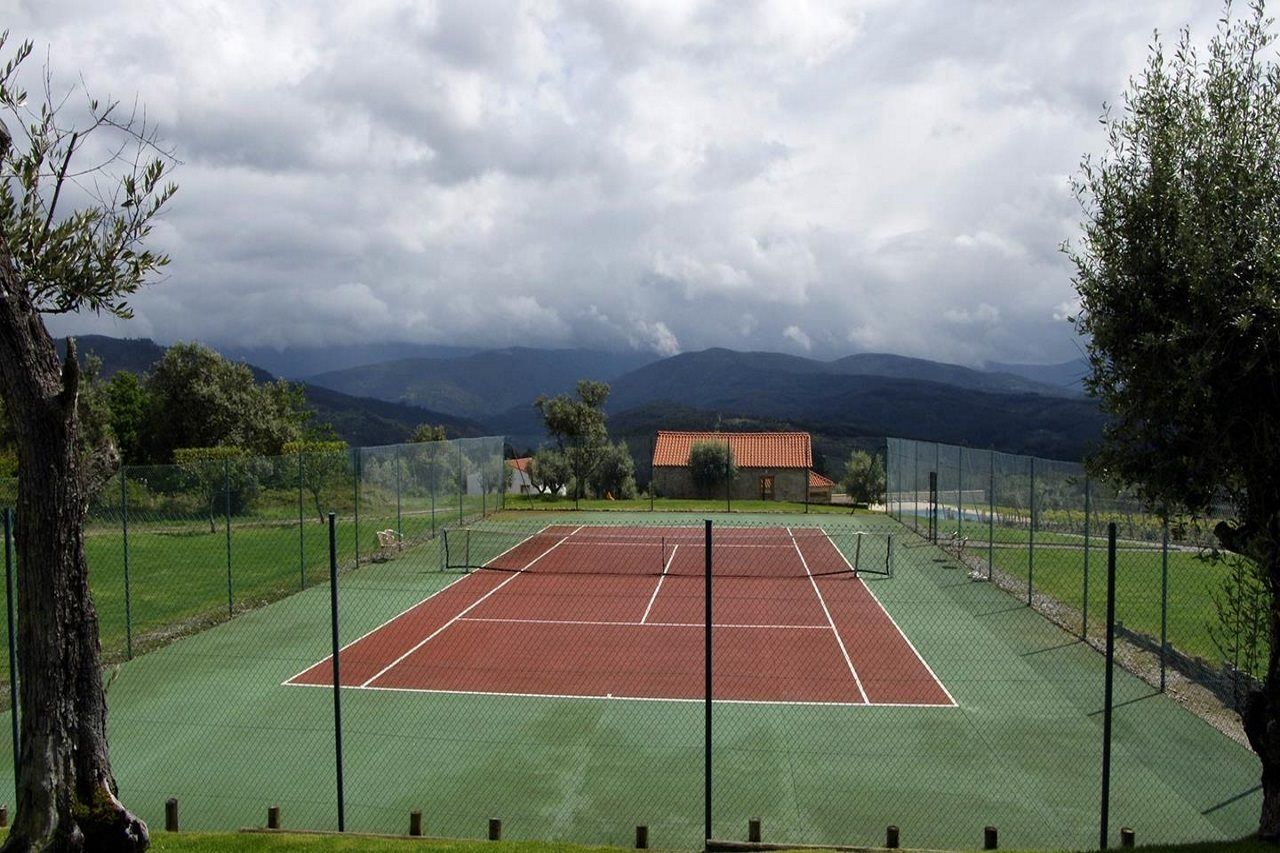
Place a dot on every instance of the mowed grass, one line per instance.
(550, 503)
(1059, 573)
(183, 578)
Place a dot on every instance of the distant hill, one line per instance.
(297, 362)
(484, 384)
(361, 422)
(1067, 375)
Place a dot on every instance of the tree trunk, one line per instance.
(1261, 715)
(66, 793)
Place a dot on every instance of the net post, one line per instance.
(888, 555)
(707, 738)
(226, 488)
(10, 625)
(857, 553)
(128, 598)
(1107, 687)
(337, 678)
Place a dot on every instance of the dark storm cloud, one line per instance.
(813, 177)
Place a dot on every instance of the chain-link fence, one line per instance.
(610, 678)
(1191, 620)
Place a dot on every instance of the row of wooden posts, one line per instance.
(892, 839)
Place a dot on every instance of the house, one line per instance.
(520, 483)
(772, 466)
(820, 488)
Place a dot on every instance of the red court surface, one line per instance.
(618, 613)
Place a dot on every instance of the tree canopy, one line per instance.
(1178, 273)
(577, 426)
(711, 465)
(864, 477)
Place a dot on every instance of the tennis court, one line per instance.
(794, 621)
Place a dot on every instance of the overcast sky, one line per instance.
(810, 177)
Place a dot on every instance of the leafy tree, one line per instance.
(199, 399)
(711, 465)
(217, 473)
(864, 478)
(615, 474)
(578, 428)
(549, 471)
(427, 432)
(128, 403)
(55, 261)
(324, 464)
(1177, 273)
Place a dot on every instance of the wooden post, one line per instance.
(891, 837)
(990, 840)
(415, 822)
(1126, 837)
(171, 814)
(753, 829)
(642, 837)
(273, 817)
(495, 829)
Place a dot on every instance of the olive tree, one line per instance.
(72, 235)
(1178, 271)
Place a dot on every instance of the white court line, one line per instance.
(661, 578)
(700, 700)
(639, 624)
(413, 606)
(823, 602)
(466, 610)
(894, 623)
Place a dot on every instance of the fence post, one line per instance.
(462, 483)
(1164, 600)
(728, 505)
(933, 507)
(991, 512)
(302, 531)
(355, 466)
(433, 476)
(128, 603)
(13, 649)
(1084, 609)
(399, 523)
(652, 439)
(226, 490)
(337, 678)
(960, 492)
(915, 491)
(1107, 694)
(1031, 532)
(707, 623)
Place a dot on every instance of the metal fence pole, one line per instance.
(337, 678)
(462, 484)
(1107, 692)
(355, 466)
(13, 647)
(124, 528)
(1164, 600)
(915, 491)
(707, 739)
(991, 513)
(652, 440)
(226, 487)
(1031, 532)
(1084, 609)
(399, 522)
(960, 491)
(302, 530)
(728, 506)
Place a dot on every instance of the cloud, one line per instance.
(661, 175)
(797, 336)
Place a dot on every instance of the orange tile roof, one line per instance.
(817, 481)
(520, 464)
(750, 449)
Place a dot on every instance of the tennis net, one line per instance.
(736, 552)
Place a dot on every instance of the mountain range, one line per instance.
(845, 403)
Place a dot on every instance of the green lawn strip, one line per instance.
(1059, 573)
(269, 843)
(546, 503)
